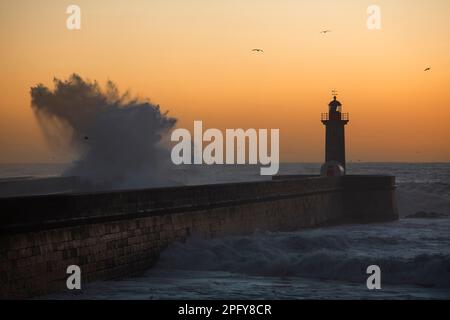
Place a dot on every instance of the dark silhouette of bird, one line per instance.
(427, 69)
(86, 138)
(258, 50)
(325, 31)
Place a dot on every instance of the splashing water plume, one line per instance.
(117, 139)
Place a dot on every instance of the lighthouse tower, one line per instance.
(335, 122)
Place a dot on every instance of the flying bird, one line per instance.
(257, 50)
(325, 31)
(427, 69)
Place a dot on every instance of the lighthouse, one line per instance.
(335, 122)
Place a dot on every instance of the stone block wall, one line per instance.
(115, 234)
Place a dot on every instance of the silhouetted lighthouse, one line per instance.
(335, 122)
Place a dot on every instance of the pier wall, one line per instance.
(113, 234)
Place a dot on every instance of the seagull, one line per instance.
(427, 69)
(325, 31)
(258, 50)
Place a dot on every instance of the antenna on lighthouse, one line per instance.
(334, 92)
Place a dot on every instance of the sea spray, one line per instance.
(116, 138)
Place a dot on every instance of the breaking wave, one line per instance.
(339, 253)
(117, 139)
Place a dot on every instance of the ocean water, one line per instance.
(36, 170)
(328, 263)
(322, 263)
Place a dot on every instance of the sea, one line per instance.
(413, 254)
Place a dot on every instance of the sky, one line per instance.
(194, 59)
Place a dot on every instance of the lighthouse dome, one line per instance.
(335, 103)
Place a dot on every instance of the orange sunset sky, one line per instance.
(193, 57)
